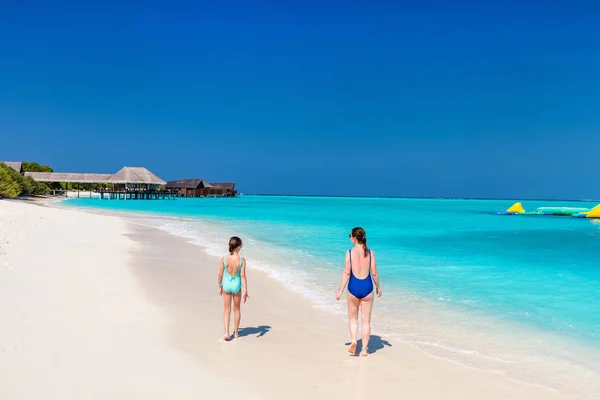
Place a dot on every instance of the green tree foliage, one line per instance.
(13, 184)
(29, 166)
(27, 185)
(9, 188)
(31, 187)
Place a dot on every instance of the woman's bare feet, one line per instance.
(352, 348)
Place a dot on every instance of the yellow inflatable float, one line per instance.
(516, 208)
(578, 212)
(593, 213)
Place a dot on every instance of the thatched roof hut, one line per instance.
(127, 175)
(135, 175)
(17, 166)
(200, 188)
(224, 185)
(68, 177)
(187, 184)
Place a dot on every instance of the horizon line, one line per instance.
(415, 197)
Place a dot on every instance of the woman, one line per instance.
(233, 285)
(360, 271)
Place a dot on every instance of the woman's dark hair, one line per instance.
(234, 243)
(361, 237)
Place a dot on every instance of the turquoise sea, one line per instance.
(515, 294)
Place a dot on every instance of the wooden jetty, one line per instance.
(137, 195)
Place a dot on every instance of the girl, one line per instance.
(233, 285)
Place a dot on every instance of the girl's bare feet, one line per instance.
(364, 353)
(236, 335)
(226, 337)
(352, 348)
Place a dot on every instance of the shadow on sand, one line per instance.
(376, 343)
(254, 330)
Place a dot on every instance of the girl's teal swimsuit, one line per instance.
(231, 284)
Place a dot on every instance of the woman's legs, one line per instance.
(353, 303)
(226, 313)
(366, 306)
(237, 312)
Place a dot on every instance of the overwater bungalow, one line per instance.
(201, 188)
(129, 183)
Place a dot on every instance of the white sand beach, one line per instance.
(75, 323)
(95, 307)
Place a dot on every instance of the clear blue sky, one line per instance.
(465, 99)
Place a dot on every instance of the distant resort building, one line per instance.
(200, 188)
(130, 183)
(127, 178)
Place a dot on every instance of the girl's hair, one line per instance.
(234, 243)
(361, 237)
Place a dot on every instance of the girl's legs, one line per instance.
(237, 312)
(353, 303)
(226, 313)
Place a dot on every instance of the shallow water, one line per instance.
(515, 294)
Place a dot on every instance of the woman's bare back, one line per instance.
(361, 265)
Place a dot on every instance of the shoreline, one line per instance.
(490, 352)
(187, 336)
(379, 328)
(540, 358)
(307, 322)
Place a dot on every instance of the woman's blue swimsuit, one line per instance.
(360, 288)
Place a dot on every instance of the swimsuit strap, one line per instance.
(350, 251)
(225, 267)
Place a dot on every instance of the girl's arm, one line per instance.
(244, 281)
(220, 276)
(374, 274)
(345, 277)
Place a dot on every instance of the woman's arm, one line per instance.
(220, 276)
(244, 281)
(345, 277)
(374, 274)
